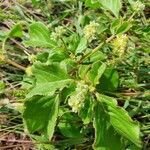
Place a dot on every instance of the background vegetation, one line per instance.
(78, 36)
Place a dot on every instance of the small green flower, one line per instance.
(59, 31)
(29, 71)
(32, 58)
(138, 6)
(119, 44)
(76, 100)
(90, 31)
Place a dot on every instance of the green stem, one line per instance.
(3, 46)
(144, 18)
(64, 43)
(131, 16)
(95, 50)
(90, 53)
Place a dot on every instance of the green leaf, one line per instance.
(83, 69)
(48, 88)
(98, 56)
(73, 42)
(96, 72)
(56, 56)
(34, 2)
(40, 115)
(82, 45)
(119, 26)
(99, 124)
(49, 78)
(67, 91)
(121, 121)
(113, 5)
(68, 64)
(106, 99)
(42, 56)
(69, 130)
(48, 73)
(86, 112)
(39, 36)
(53, 119)
(109, 80)
(115, 25)
(16, 31)
(105, 136)
(123, 28)
(2, 87)
(101, 70)
(92, 4)
(68, 124)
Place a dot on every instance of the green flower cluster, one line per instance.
(119, 44)
(90, 31)
(76, 100)
(138, 6)
(59, 31)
